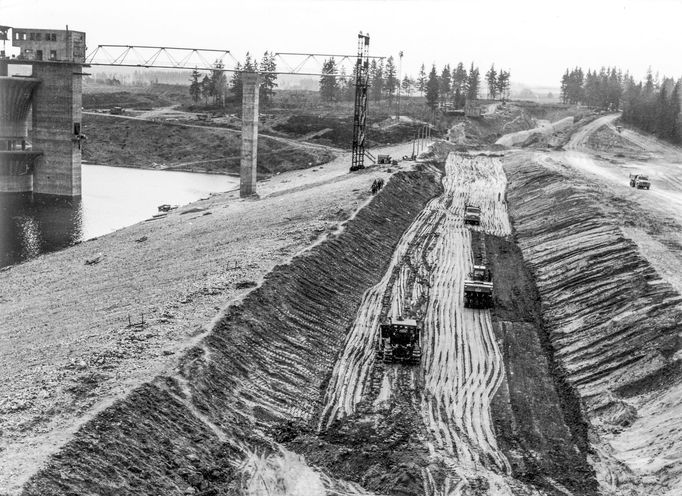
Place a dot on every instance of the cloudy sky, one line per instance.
(535, 40)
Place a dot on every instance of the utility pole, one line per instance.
(400, 81)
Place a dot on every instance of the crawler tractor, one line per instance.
(472, 215)
(478, 288)
(399, 341)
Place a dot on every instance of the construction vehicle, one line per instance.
(399, 341)
(472, 215)
(386, 159)
(639, 181)
(478, 288)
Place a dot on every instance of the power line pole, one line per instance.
(400, 82)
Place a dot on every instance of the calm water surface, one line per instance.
(113, 197)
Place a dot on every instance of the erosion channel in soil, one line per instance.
(286, 396)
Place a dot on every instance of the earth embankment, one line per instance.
(611, 321)
(262, 366)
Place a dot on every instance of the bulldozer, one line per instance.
(399, 341)
(478, 288)
(472, 215)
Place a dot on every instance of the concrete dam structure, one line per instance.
(47, 158)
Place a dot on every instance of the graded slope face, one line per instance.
(613, 321)
(285, 394)
(252, 379)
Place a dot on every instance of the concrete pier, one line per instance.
(247, 184)
(57, 113)
(16, 161)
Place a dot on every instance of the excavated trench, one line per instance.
(498, 403)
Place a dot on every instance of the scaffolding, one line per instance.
(360, 114)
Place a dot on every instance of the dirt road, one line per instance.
(160, 112)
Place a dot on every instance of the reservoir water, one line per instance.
(113, 197)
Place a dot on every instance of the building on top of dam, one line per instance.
(49, 45)
(46, 159)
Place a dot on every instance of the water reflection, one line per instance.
(113, 197)
(31, 225)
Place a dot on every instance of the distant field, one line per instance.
(146, 144)
(97, 96)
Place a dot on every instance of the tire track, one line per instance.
(461, 366)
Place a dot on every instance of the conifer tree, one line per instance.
(491, 79)
(268, 83)
(328, 82)
(473, 83)
(432, 88)
(195, 86)
(391, 82)
(421, 81)
(444, 83)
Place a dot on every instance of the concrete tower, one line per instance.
(247, 183)
(57, 104)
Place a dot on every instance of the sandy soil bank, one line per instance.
(71, 334)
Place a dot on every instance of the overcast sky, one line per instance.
(536, 40)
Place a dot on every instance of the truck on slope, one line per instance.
(472, 215)
(399, 341)
(478, 288)
(639, 181)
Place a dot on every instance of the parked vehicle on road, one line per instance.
(639, 181)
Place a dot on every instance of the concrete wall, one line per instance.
(16, 184)
(57, 104)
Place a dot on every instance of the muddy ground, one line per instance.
(537, 416)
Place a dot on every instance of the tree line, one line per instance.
(652, 105)
(454, 86)
(216, 87)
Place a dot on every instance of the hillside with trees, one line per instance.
(653, 105)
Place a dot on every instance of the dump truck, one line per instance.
(639, 181)
(399, 341)
(472, 215)
(478, 288)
